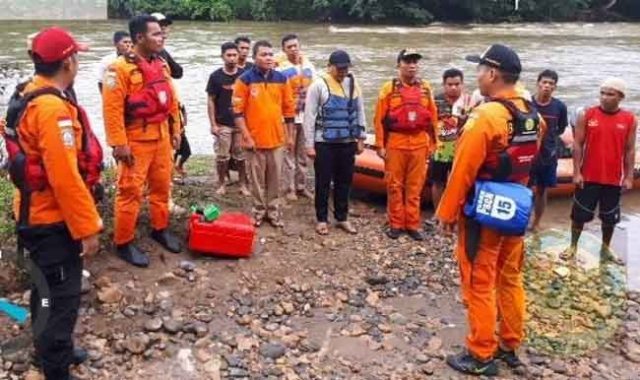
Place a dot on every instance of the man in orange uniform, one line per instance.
(491, 261)
(54, 161)
(142, 122)
(262, 99)
(405, 118)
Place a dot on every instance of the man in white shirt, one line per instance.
(122, 43)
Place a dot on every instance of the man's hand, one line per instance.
(90, 246)
(578, 180)
(215, 130)
(382, 153)
(291, 145)
(311, 153)
(447, 229)
(248, 143)
(123, 153)
(627, 184)
(175, 141)
(360, 147)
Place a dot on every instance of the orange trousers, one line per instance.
(406, 171)
(491, 287)
(151, 170)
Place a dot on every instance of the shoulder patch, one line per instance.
(110, 79)
(66, 132)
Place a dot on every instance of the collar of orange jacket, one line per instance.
(507, 93)
(40, 81)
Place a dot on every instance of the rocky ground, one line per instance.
(311, 307)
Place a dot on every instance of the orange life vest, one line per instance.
(407, 110)
(152, 103)
(27, 172)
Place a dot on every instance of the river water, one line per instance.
(583, 55)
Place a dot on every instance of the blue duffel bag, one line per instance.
(501, 206)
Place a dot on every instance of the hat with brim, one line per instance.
(340, 59)
(500, 57)
(55, 44)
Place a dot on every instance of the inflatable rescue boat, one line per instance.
(369, 172)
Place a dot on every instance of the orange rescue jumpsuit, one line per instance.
(51, 130)
(492, 284)
(150, 145)
(406, 160)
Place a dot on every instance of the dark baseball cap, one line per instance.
(340, 59)
(499, 56)
(406, 54)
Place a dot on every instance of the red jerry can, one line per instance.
(232, 234)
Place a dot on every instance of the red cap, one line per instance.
(55, 44)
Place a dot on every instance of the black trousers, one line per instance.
(334, 163)
(184, 151)
(56, 275)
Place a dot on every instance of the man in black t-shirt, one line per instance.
(544, 171)
(221, 118)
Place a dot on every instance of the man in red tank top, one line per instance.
(603, 161)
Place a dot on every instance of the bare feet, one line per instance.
(322, 228)
(347, 227)
(222, 190)
(291, 196)
(569, 253)
(244, 191)
(304, 193)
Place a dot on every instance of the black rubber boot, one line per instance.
(131, 254)
(167, 240)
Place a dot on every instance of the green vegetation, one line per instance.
(368, 11)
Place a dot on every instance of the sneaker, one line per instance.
(509, 357)
(394, 233)
(430, 224)
(415, 235)
(465, 363)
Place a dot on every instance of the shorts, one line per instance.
(606, 197)
(227, 145)
(544, 175)
(439, 172)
